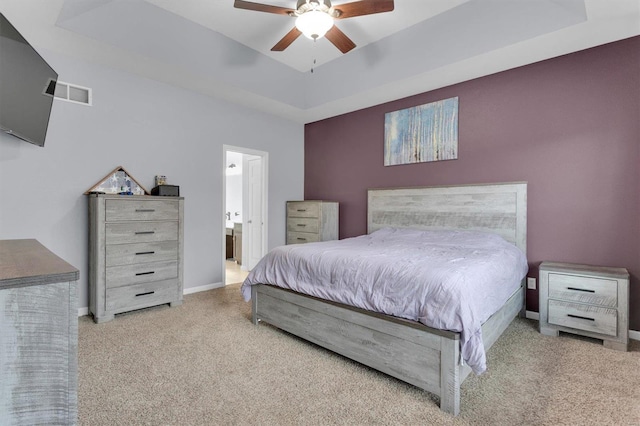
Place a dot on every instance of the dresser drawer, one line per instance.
(118, 276)
(311, 221)
(302, 237)
(129, 254)
(303, 209)
(583, 317)
(589, 290)
(302, 224)
(140, 232)
(141, 295)
(131, 209)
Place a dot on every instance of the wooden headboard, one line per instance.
(499, 208)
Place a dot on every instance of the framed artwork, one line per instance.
(118, 181)
(423, 133)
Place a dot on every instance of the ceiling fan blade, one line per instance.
(259, 7)
(339, 39)
(286, 40)
(364, 7)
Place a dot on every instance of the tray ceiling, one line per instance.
(211, 48)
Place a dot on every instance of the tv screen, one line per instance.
(27, 85)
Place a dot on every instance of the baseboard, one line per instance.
(85, 311)
(191, 290)
(634, 334)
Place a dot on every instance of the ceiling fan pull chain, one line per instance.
(315, 40)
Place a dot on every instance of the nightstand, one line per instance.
(586, 300)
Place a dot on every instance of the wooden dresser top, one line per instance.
(27, 262)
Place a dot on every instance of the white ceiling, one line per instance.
(209, 47)
(260, 31)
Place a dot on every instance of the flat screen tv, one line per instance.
(27, 85)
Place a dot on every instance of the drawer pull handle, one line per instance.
(581, 289)
(302, 239)
(145, 232)
(302, 210)
(302, 224)
(579, 317)
(145, 273)
(145, 252)
(145, 210)
(145, 294)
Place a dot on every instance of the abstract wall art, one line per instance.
(423, 133)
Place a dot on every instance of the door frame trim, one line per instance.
(265, 196)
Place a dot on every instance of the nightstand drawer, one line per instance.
(299, 224)
(141, 295)
(589, 290)
(303, 209)
(301, 237)
(583, 317)
(140, 232)
(118, 276)
(125, 209)
(129, 254)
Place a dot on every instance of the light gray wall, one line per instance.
(148, 128)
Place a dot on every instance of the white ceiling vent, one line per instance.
(73, 93)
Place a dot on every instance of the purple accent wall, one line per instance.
(569, 126)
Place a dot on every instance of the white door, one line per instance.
(255, 219)
(255, 197)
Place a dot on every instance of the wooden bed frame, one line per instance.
(412, 352)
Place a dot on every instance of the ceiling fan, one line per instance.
(314, 19)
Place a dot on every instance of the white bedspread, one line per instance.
(450, 280)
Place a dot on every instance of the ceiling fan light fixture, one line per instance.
(314, 24)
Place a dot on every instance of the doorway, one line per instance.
(244, 211)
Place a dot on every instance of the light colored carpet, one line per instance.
(204, 363)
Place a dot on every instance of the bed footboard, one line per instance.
(414, 353)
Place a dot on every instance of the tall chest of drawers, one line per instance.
(135, 253)
(586, 300)
(311, 221)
